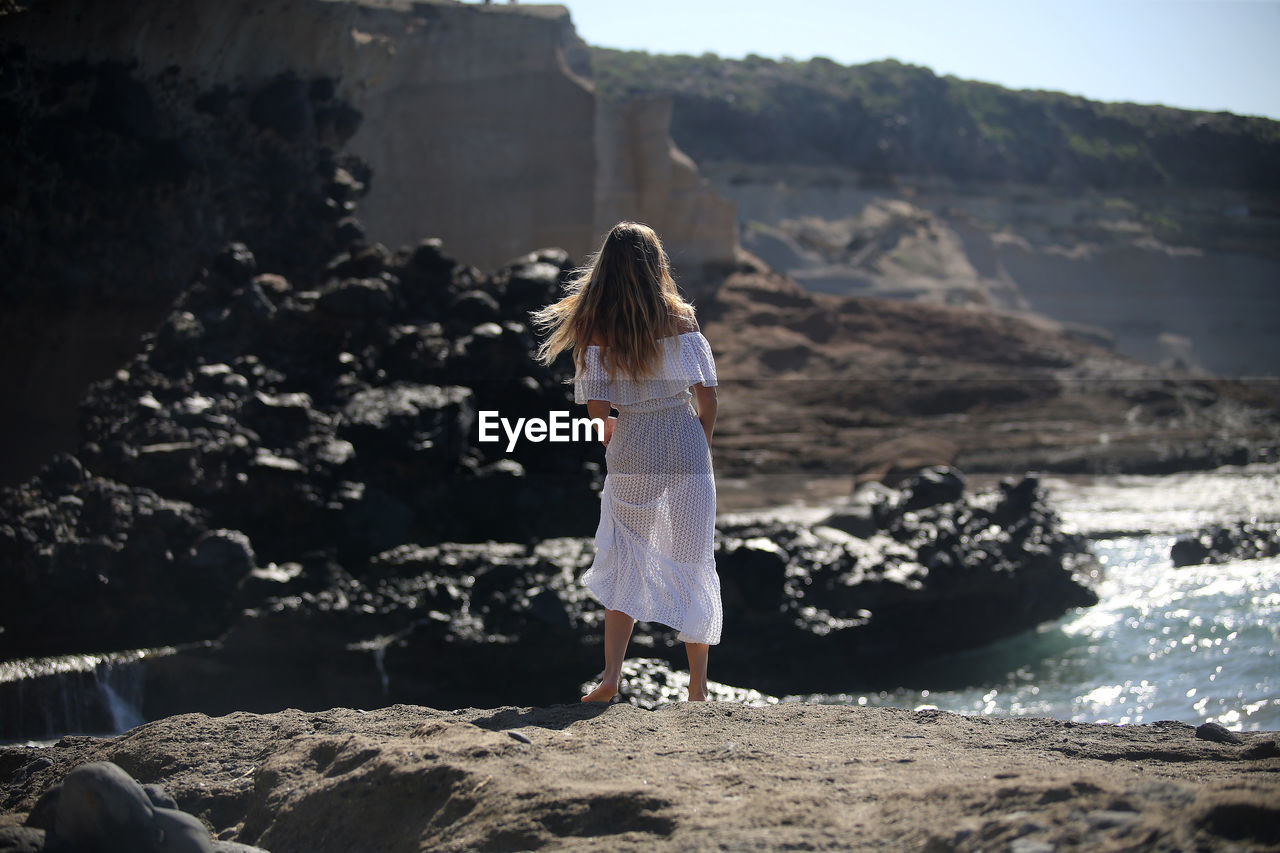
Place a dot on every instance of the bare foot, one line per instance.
(697, 695)
(605, 691)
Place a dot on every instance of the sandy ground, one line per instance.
(690, 777)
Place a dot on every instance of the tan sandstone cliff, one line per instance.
(641, 174)
(1184, 278)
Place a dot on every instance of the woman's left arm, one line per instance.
(707, 407)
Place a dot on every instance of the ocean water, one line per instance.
(1193, 644)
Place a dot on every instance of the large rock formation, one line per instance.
(121, 181)
(342, 419)
(147, 135)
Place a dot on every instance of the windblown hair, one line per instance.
(624, 299)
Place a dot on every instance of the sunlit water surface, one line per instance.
(1194, 644)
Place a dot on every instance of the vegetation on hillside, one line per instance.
(887, 117)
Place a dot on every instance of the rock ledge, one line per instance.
(717, 775)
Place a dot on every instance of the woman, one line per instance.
(637, 348)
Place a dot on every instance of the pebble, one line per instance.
(1104, 819)
(1030, 845)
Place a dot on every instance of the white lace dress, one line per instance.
(654, 558)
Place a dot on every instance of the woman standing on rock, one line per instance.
(637, 348)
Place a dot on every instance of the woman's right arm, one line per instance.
(601, 409)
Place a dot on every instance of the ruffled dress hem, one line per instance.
(601, 580)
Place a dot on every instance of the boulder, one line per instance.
(1245, 540)
(473, 307)
(533, 283)
(934, 485)
(99, 808)
(399, 423)
(62, 471)
(356, 298)
(218, 561)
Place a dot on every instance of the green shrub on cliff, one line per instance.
(888, 117)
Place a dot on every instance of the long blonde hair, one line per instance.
(624, 298)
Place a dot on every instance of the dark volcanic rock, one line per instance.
(122, 105)
(824, 607)
(98, 565)
(1216, 733)
(283, 105)
(651, 683)
(1245, 540)
(368, 297)
(261, 422)
(933, 486)
(235, 263)
(806, 610)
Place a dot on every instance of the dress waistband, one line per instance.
(662, 404)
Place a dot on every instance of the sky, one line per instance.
(1197, 54)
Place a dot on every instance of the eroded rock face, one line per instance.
(119, 183)
(642, 175)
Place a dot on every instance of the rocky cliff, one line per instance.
(889, 118)
(478, 131)
(1156, 227)
(479, 119)
(1175, 278)
(146, 136)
